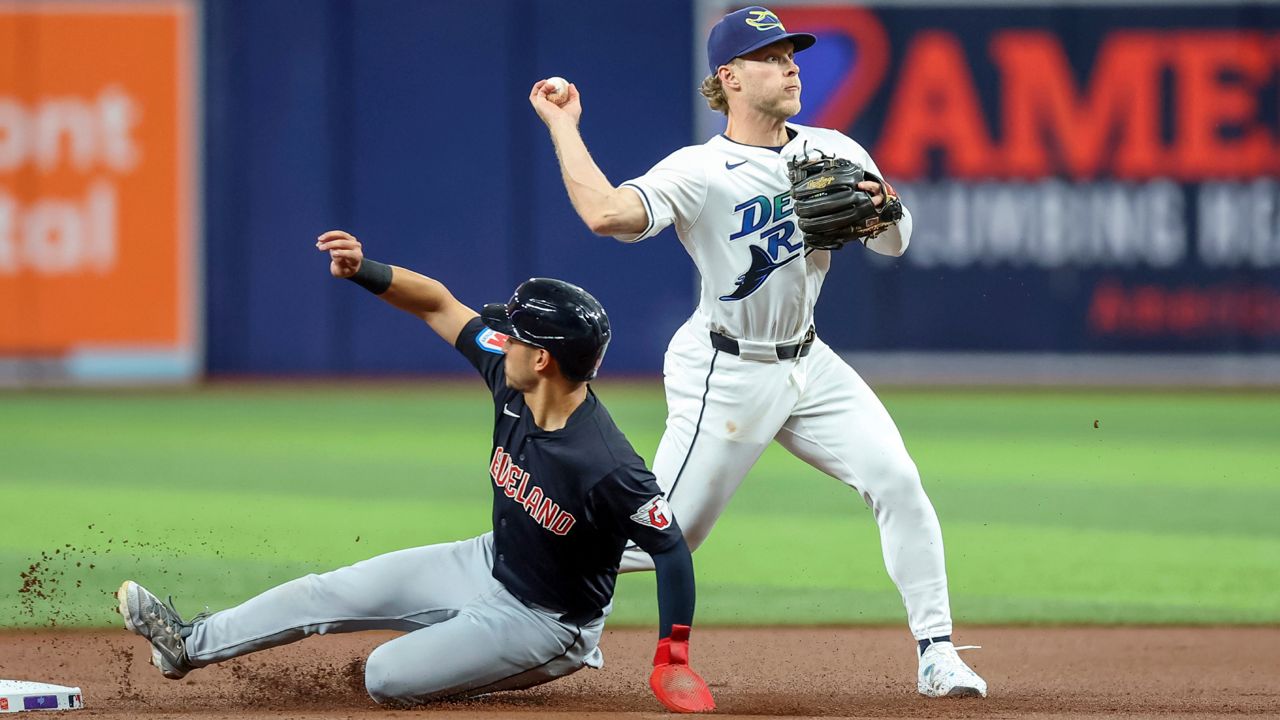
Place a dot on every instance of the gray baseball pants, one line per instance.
(466, 634)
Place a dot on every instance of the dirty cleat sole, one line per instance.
(964, 692)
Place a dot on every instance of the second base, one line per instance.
(21, 695)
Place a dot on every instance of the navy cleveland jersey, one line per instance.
(565, 502)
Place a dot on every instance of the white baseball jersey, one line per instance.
(731, 205)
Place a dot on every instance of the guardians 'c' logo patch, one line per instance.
(654, 514)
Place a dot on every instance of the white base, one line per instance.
(20, 695)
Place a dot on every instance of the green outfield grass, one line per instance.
(1165, 513)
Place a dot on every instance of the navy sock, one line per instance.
(926, 643)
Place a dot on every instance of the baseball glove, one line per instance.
(832, 209)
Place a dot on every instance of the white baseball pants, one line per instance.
(724, 410)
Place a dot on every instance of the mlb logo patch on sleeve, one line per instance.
(492, 341)
(654, 514)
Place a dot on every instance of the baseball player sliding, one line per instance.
(517, 606)
(760, 208)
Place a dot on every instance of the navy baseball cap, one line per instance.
(748, 29)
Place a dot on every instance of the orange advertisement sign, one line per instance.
(97, 227)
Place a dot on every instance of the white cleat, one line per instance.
(944, 674)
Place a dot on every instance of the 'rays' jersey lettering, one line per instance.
(565, 503)
(731, 207)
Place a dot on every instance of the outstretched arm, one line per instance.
(605, 209)
(673, 682)
(405, 289)
(676, 589)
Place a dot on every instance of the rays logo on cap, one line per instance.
(764, 20)
(654, 514)
(491, 340)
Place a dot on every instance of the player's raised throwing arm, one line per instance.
(412, 292)
(605, 209)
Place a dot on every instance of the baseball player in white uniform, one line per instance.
(747, 367)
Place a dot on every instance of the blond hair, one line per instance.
(713, 90)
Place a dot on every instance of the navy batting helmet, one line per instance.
(561, 318)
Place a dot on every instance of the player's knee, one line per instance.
(695, 524)
(695, 535)
(901, 489)
(386, 680)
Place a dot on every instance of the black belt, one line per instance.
(724, 343)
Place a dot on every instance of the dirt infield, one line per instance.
(822, 672)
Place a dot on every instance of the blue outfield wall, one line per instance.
(1085, 178)
(407, 123)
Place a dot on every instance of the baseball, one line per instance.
(559, 90)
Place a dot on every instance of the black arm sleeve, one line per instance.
(628, 503)
(676, 592)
